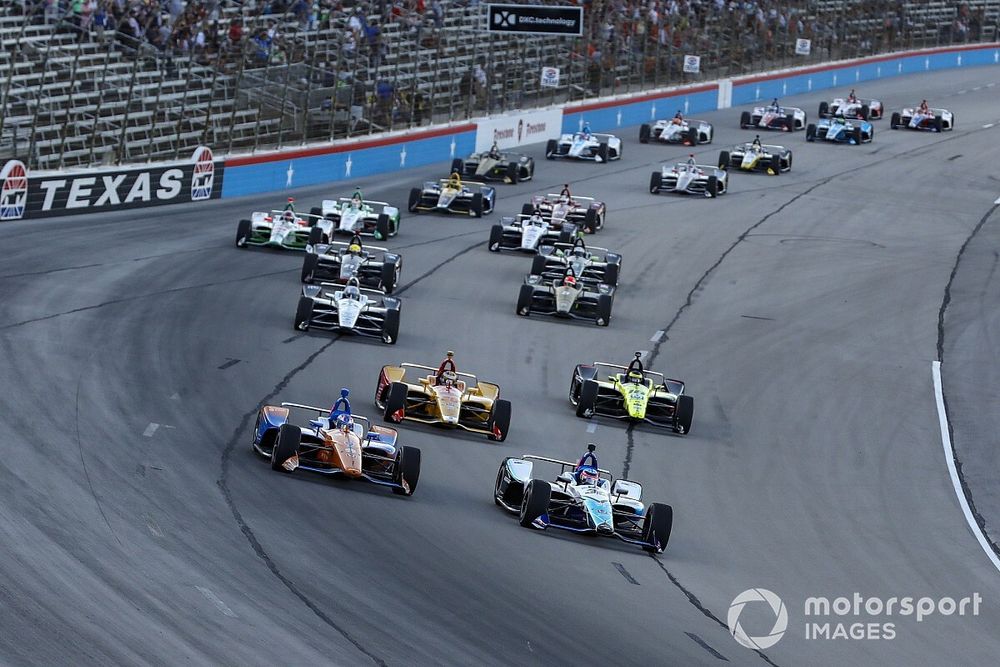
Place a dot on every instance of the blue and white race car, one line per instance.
(841, 131)
(585, 145)
(583, 499)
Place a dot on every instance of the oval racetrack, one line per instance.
(801, 310)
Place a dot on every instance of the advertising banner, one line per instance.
(527, 127)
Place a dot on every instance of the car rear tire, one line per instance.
(315, 235)
(285, 446)
(476, 206)
(389, 276)
(603, 151)
(243, 232)
(315, 213)
(588, 398)
(390, 326)
(745, 120)
(811, 132)
(683, 414)
(790, 122)
(691, 137)
(407, 469)
(496, 238)
(303, 313)
(415, 194)
(611, 274)
(395, 401)
(590, 221)
(712, 187)
(656, 527)
(527, 209)
(603, 310)
(566, 233)
(938, 124)
(500, 420)
(538, 265)
(551, 148)
(856, 135)
(644, 133)
(513, 173)
(382, 227)
(524, 300)
(824, 109)
(309, 264)
(535, 502)
(776, 164)
(458, 166)
(724, 159)
(655, 181)
(894, 121)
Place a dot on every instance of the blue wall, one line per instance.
(300, 171)
(608, 119)
(847, 76)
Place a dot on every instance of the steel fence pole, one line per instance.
(121, 148)
(13, 69)
(69, 107)
(100, 101)
(183, 106)
(236, 92)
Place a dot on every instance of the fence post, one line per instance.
(70, 106)
(10, 77)
(236, 92)
(120, 152)
(183, 105)
(100, 102)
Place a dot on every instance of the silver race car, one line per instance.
(282, 229)
(930, 120)
(590, 265)
(755, 156)
(690, 178)
(566, 297)
(585, 213)
(677, 131)
(851, 107)
(585, 145)
(451, 195)
(583, 498)
(349, 309)
(339, 262)
(527, 233)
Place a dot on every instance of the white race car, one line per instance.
(583, 498)
(350, 309)
(354, 215)
(690, 178)
(688, 132)
(852, 107)
(528, 233)
(933, 120)
(774, 117)
(585, 146)
(281, 229)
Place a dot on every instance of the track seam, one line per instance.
(241, 429)
(945, 302)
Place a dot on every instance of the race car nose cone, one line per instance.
(605, 528)
(450, 420)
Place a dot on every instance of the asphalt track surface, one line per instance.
(802, 311)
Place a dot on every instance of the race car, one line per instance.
(774, 117)
(851, 107)
(933, 120)
(687, 131)
(585, 145)
(451, 195)
(348, 309)
(336, 442)
(841, 131)
(566, 297)
(755, 156)
(583, 498)
(443, 396)
(527, 233)
(591, 265)
(690, 178)
(585, 212)
(631, 393)
(338, 262)
(493, 165)
(281, 229)
(357, 215)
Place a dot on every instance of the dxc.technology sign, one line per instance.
(535, 19)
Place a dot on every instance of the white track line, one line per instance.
(591, 427)
(987, 126)
(217, 601)
(657, 337)
(949, 457)
(151, 429)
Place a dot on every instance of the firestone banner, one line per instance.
(46, 194)
(518, 129)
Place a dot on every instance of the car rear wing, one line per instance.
(653, 374)
(345, 244)
(348, 200)
(573, 197)
(435, 370)
(340, 287)
(564, 464)
(324, 411)
(445, 181)
(570, 246)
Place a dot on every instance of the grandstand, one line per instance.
(81, 85)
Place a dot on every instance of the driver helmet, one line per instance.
(449, 378)
(586, 129)
(756, 142)
(774, 103)
(635, 376)
(570, 280)
(354, 249)
(344, 423)
(289, 216)
(579, 251)
(690, 161)
(587, 475)
(494, 150)
(456, 180)
(352, 292)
